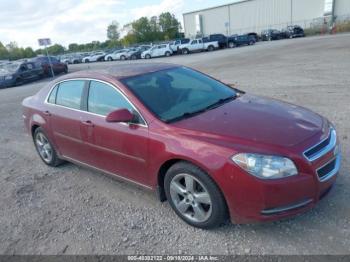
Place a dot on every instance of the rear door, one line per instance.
(118, 148)
(65, 113)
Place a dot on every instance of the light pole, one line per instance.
(291, 12)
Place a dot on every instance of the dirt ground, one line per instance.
(74, 210)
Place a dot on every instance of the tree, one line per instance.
(129, 39)
(169, 25)
(142, 30)
(113, 31)
(28, 52)
(56, 49)
(73, 47)
(4, 54)
(15, 52)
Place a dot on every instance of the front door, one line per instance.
(119, 148)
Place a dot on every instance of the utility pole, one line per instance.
(291, 12)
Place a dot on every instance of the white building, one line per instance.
(256, 15)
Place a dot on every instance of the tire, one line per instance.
(133, 57)
(210, 48)
(45, 149)
(87, 61)
(123, 58)
(148, 56)
(167, 54)
(185, 51)
(251, 43)
(65, 71)
(18, 82)
(110, 59)
(210, 211)
(231, 45)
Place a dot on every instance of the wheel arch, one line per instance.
(168, 164)
(33, 128)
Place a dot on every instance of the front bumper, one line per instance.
(6, 83)
(251, 200)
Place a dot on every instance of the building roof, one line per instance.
(218, 6)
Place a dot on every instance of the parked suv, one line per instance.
(294, 31)
(271, 34)
(57, 66)
(220, 38)
(17, 73)
(239, 40)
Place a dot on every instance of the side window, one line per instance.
(69, 93)
(104, 99)
(52, 97)
(30, 66)
(194, 42)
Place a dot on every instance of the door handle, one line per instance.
(47, 113)
(87, 123)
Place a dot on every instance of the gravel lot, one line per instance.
(73, 210)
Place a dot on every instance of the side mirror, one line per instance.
(120, 115)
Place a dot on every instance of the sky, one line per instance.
(80, 21)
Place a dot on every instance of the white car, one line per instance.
(157, 51)
(94, 57)
(121, 54)
(198, 45)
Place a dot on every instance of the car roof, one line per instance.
(122, 71)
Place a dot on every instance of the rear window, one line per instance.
(52, 97)
(69, 93)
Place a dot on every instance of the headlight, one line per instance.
(266, 167)
(8, 77)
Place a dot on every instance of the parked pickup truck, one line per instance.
(198, 45)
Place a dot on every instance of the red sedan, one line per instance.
(212, 151)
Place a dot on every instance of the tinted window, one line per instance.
(30, 66)
(104, 99)
(69, 93)
(52, 97)
(173, 93)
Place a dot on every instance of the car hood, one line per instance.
(5, 72)
(254, 119)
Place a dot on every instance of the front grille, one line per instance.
(330, 169)
(325, 170)
(322, 148)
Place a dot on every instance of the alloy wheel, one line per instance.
(191, 198)
(44, 147)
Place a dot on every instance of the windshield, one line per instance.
(179, 93)
(9, 67)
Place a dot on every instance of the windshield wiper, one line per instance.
(210, 107)
(185, 115)
(221, 102)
